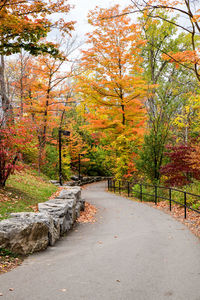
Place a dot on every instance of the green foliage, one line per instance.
(6, 252)
(167, 96)
(66, 170)
(151, 156)
(193, 188)
(30, 154)
(50, 167)
(196, 205)
(121, 168)
(136, 191)
(191, 200)
(145, 190)
(99, 164)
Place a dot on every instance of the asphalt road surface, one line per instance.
(132, 252)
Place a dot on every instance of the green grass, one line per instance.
(23, 191)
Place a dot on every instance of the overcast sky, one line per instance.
(82, 7)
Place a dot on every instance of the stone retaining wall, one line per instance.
(84, 180)
(28, 232)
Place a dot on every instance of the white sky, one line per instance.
(82, 7)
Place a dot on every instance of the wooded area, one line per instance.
(131, 101)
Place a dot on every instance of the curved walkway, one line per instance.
(132, 252)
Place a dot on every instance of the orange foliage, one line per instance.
(24, 23)
(112, 86)
(44, 102)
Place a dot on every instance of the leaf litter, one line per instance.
(88, 215)
(8, 263)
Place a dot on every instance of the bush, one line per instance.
(145, 190)
(148, 192)
(30, 154)
(50, 167)
(99, 164)
(66, 170)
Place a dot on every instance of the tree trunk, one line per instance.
(7, 111)
(123, 114)
(21, 86)
(40, 155)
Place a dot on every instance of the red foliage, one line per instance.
(13, 139)
(180, 170)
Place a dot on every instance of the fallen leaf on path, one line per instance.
(8, 263)
(87, 216)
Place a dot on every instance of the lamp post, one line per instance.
(79, 165)
(67, 133)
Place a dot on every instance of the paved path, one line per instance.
(132, 252)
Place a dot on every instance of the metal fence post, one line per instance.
(156, 194)
(60, 156)
(128, 189)
(119, 187)
(108, 184)
(140, 191)
(170, 199)
(114, 185)
(185, 205)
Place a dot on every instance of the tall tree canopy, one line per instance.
(23, 23)
(188, 21)
(113, 86)
(172, 86)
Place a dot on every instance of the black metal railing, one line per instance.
(155, 193)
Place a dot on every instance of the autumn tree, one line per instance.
(180, 170)
(40, 91)
(171, 87)
(186, 10)
(24, 25)
(83, 140)
(45, 98)
(112, 85)
(13, 140)
(17, 72)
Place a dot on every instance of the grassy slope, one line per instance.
(23, 191)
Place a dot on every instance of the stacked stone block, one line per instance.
(28, 232)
